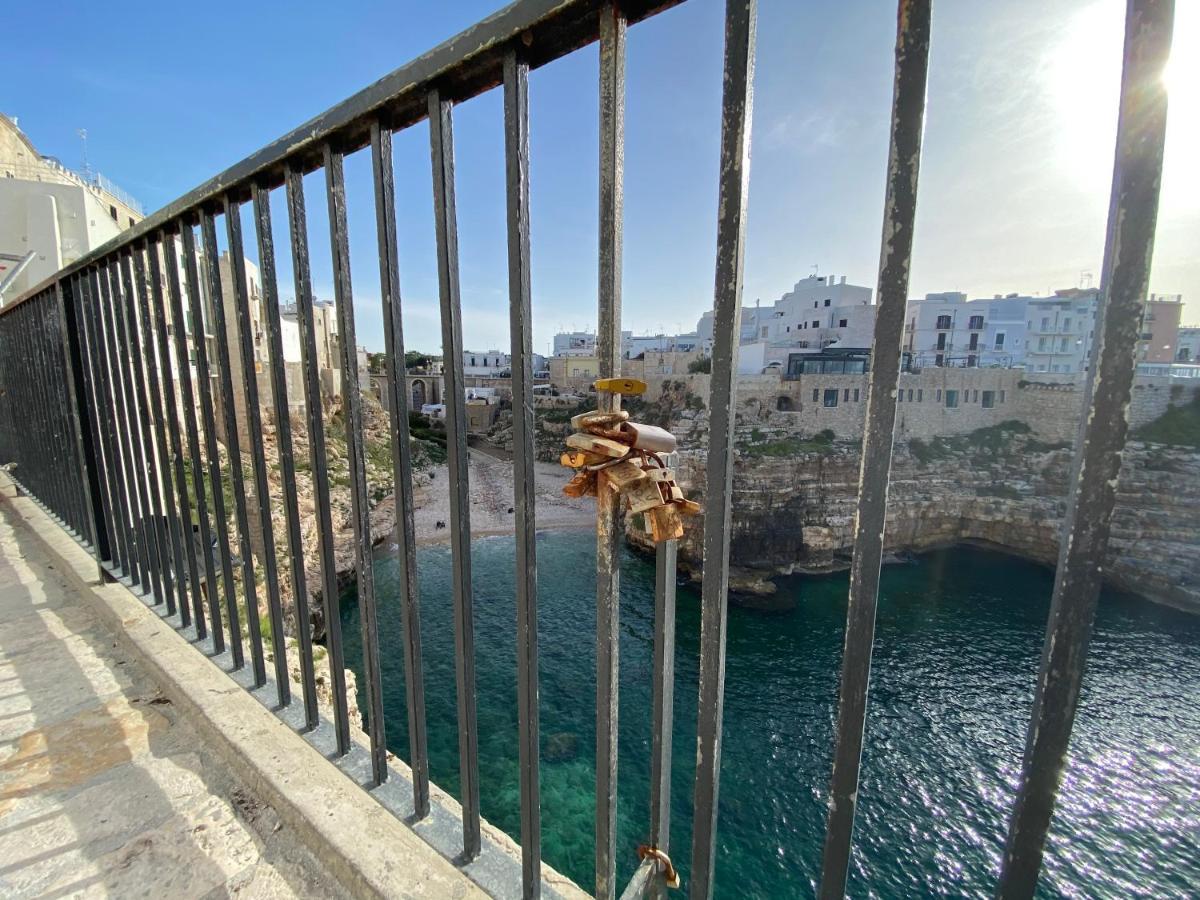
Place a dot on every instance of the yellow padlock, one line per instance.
(628, 386)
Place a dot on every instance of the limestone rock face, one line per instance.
(794, 511)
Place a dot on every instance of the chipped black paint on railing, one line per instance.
(119, 444)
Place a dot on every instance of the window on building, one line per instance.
(816, 323)
(827, 301)
(1002, 396)
(112, 211)
(975, 322)
(989, 399)
(939, 360)
(1062, 346)
(899, 396)
(1045, 323)
(815, 304)
(975, 396)
(1066, 324)
(764, 331)
(941, 340)
(910, 395)
(951, 399)
(999, 345)
(789, 328)
(972, 361)
(943, 321)
(131, 222)
(973, 344)
(473, 363)
(856, 395)
(939, 395)
(816, 394)
(846, 395)
(920, 395)
(831, 397)
(842, 323)
(1041, 345)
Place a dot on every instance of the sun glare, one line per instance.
(1083, 79)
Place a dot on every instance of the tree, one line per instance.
(703, 366)
(414, 359)
(375, 363)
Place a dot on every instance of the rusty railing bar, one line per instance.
(218, 523)
(900, 207)
(171, 401)
(402, 489)
(287, 469)
(216, 299)
(258, 462)
(318, 460)
(203, 529)
(173, 565)
(736, 115)
(520, 317)
(143, 439)
(1132, 217)
(608, 352)
(339, 245)
(441, 146)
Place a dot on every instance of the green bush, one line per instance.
(1179, 426)
(702, 366)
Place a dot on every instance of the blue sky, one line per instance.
(1014, 184)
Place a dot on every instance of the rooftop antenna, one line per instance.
(87, 170)
(814, 268)
(1085, 279)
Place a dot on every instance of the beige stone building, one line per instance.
(50, 216)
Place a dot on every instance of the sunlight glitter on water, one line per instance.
(958, 642)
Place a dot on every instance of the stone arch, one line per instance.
(784, 403)
(418, 395)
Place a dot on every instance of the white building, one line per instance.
(49, 215)
(487, 363)
(1188, 348)
(1060, 331)
(947, 329)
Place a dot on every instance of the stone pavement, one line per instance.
(104, 789)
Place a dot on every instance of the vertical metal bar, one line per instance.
(287, 469)
(139, 573)
(185, 549)
(173, 573)
(339, 245)
(93, 444)
(104, 395)
(393, 341)
(219, 523)
(152, 514)
(663, 700)
(1132, 217)
(298, 225)
(201, 530)
(736, 114)
(520, 311)
(441, 144)
(208, 233)
(608, 351)
(262, 488)
(900, 207)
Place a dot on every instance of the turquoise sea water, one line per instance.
(957, 646)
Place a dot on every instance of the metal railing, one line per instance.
(122, 448)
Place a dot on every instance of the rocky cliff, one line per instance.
(794, 502)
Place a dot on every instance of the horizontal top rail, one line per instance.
(462, 67)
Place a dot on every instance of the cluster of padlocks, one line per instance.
(609, 452)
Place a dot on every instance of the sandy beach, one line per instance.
(491, 484)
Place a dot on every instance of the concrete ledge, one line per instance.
(363, 844)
